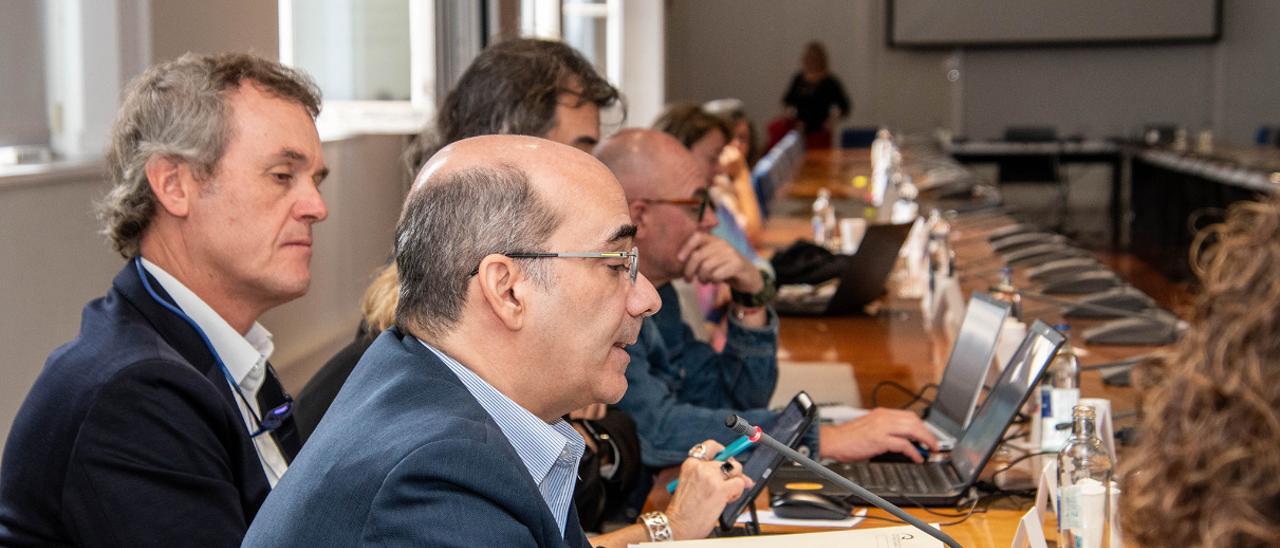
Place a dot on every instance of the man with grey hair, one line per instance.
(680, 387)
(162, 424)
(519, 293)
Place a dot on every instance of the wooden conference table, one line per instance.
(895, 345)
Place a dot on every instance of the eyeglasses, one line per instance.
(632, 258)
(701, 199)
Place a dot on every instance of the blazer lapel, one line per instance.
(547, 528)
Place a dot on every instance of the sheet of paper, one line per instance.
(767, 517)
(826, 382)
(883, 537)
(837, 414)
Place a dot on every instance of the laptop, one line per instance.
(862, 280)
(943, 483)
(963, 378)
(788, 427)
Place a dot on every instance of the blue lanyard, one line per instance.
(275, 417)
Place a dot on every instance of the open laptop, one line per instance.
(862, 280)
(943, 483)
(966, 371)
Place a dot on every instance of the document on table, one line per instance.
(883, 537)
(767, 517)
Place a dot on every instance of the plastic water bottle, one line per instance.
(940, 244)
(1084, 486)
(881, 168)
(824, 219)
(1059, 394)
(1005, 290)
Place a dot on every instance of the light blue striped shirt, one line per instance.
(550, 451)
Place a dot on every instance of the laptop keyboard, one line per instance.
(900, 477)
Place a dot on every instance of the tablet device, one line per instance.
(788, 427)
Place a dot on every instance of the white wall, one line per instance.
(644, 56)
(750, 48)
(1249, 64)
(213, 26)
(22, 112)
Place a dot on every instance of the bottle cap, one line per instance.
(1082, 411)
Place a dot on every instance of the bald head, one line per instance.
(482, 196)
(650, 164)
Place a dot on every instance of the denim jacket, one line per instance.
(680, 389)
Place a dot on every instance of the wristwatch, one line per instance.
(658, 526)
(760, 298)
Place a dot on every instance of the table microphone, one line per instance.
(741, 426)
(1159, 317)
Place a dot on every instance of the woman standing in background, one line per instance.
(815, 99)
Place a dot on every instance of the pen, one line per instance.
(739, 445)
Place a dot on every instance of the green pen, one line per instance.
(739, 445)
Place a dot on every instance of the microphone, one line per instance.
(1170, 326)
(757, 435)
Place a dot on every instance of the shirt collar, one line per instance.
(242, 354)
(537, 443)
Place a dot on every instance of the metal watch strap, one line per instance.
(658, 526)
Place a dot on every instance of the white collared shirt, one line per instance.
(244, 355)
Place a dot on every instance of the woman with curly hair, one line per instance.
(1206, 471)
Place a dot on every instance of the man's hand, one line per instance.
(880, 431)
(703, 492)
(709, 259)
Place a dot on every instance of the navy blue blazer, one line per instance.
(406, 456)
(129, 437)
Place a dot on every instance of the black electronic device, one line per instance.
(1154, 328)
(1042, 253)
(1010, 230)
(737, 424)
(788, 427)
(810, 505)
(1082, 283)
(862, 280)
(1108, 304)
(1026, 239)
(944, 482)
(1063, 267)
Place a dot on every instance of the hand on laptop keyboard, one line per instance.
(880, 431)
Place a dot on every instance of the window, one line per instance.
(374, 60)
(593, 27)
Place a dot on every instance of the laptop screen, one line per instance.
(967, 368)
(787, 428)
(1011, 390)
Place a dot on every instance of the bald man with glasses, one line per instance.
(680, 389)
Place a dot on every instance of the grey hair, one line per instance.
(179, 110)
(450, 225)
